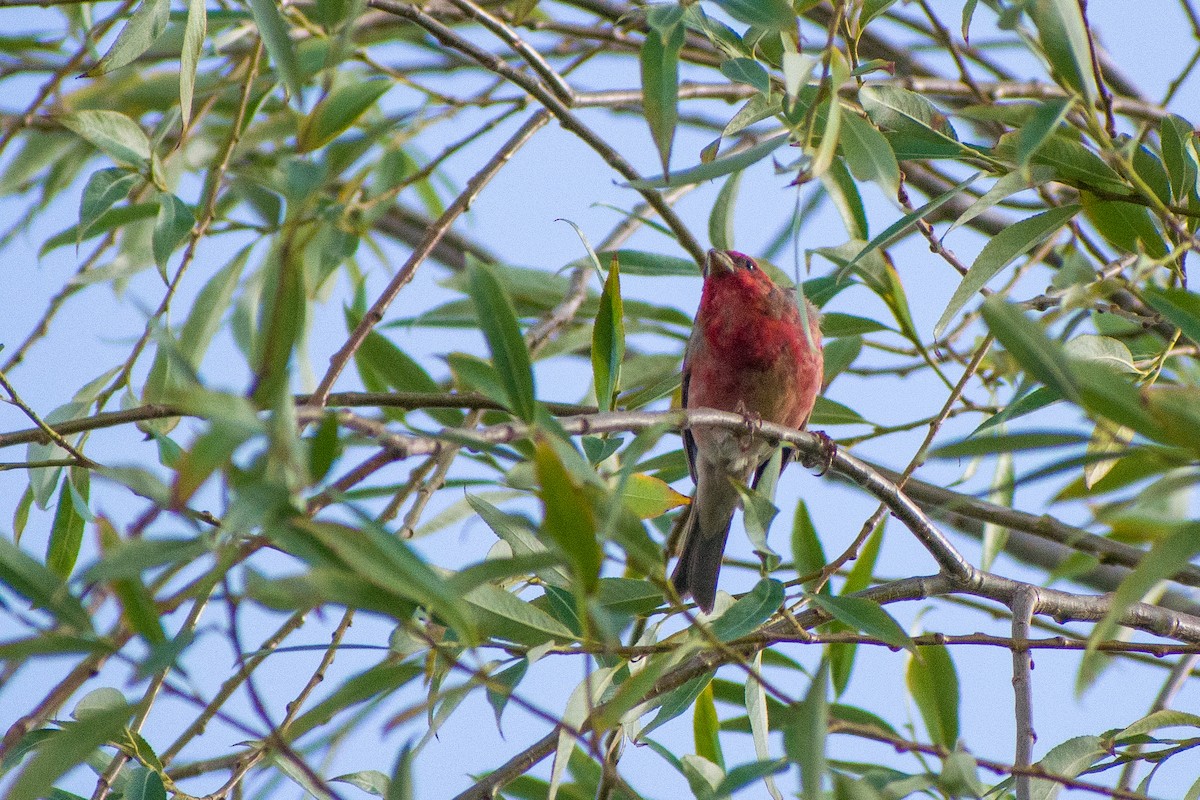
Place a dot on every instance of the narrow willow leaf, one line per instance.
(839, 73)
(868, 153)
(1028, 344)
(1176, 133)
(747, 71)
(750, 611)
(1160, 563)
(104, 189)
(865, 616)
(172, 225)
(1040, 127)
(1163, 718)
(902, 226)
(1180, 306)
(1068, 759)
(705, 727)
(1008, 185)
(40, 586)
(194, 32)
(714, 169)
(933, 682)
(275, 35)
(675, 703)
(649, 497)
(1127, 226)
(773, 14)
(897, 109)
(660, 87)
(808, 554)
(843, 191)
(760, 728)
(999, 252)
(1064, 39)
(498, 319)
(569, 520)
(805, 738)
(67, 749)
(112, 133)
(720, 221)
(608, 340)
(144, 27)
(336, 112)
(66, 535)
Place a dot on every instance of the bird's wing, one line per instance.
(689, 441)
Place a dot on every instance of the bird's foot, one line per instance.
(751, 419)
(823, 458)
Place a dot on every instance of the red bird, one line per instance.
(748, 353)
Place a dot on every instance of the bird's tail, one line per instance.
(700, 562)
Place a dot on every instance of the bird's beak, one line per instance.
(717, 261)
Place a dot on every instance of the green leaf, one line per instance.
(209, 308)
(1126, 226)
(498, 319)
(1179, 306)
(501, 685)
(172, 226)
(1160, 563)
(933, 682)
(40, 586)
(275, 35)
(66, 535)
(640, 262)
(110, 220)
(1008, 185)
(1000, 250)
(865, 616)
(569, 520)
(772, 14)
(1042, 358)
(902, 226)
(675, 703)
(844, 193)
(337, 111)
(1163, 718)
(144, 784)
(660, 87)
(720, 221)
(1040, 127)
(144, 27)
(1069, 760)
(750, 611)
(716, 168)
(194, 31)
(805, 738)
(112, 133)
(1065, 42)
(608, 340)
(808, 554)
(67, 749)
(503, 615)
(1176, 135)
(868, 153)
(104, 189)
(976, 445)
(895, 109)
(748, 71)
(705, 728)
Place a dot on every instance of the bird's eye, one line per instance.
(749, 265)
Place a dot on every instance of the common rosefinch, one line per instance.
(748, 354)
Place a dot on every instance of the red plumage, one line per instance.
(749, 353)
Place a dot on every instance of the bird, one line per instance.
(749, 353)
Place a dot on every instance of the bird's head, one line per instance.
(733, 274)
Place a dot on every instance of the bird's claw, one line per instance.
(824, 456)
(751, 419)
